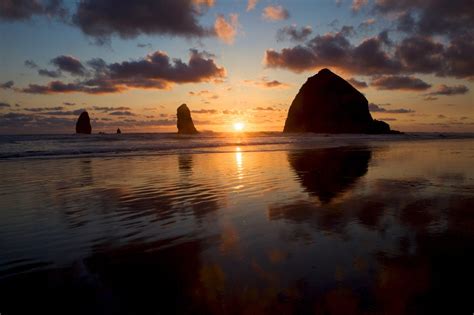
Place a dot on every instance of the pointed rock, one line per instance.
(119, 131)
(83, 124)
(185, 122)
(326, 103)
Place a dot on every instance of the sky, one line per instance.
(130, 64)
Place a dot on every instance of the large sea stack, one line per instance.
(326, 103)
(83, 124)
(185, 122)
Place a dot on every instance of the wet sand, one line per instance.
(373, 228)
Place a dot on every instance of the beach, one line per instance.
(236, 224)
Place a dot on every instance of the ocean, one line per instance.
(227, 223)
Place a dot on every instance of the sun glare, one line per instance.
(239, 126)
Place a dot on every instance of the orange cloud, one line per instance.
(275, 13)
(251, 5)
(227, 30)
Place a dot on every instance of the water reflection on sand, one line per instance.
(372, 229)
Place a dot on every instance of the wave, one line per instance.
(63, 146)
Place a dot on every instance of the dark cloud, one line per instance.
(335, 50)
(450, 90)
(13, 10)
(122, 113)
(143, 45)
(294, 33)
(61, 87)
(76, 112)
(158, 66)
(7, 85)
(31, 64)
(430, 17)
(379, 55)
(4, 105)
(42, 109)
(49, 73)
(395, 82)
(103, 18)
(358, 84)
(374, 108)
(155, 71)
(107, 109)
(266, 83)
(69, 64)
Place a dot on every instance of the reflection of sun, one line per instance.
(239, 126)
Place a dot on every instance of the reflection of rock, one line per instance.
(83, 124)
(328, 172)
(326, 103)
(185, 122)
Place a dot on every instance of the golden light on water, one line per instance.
(239, 126)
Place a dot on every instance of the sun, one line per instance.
(239, 126)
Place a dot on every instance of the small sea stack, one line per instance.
(119, 131)
(327, 103)
(185, 122)
(83, 124)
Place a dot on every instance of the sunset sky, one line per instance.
(132, 63)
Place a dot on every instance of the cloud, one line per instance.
(374, 108)
(144, 45)
(433, 17)
(293, 33)
(378, 55)
(358, 84)
(155, 71)
(4, 105)
(49, 73)
(106, 109)
(227, 30)
(269, 108)
(365, 25)
(205, 111)
(31, 64)
(266, 83)
(69, 103)
(42, 109)
(128, 19)
(7, 85)
(251, 4)
(358, 4)
(275, 13)
(14, 10)
(396, 82)
(61, 87)
(335, 50)
(450, 90)
(430, 98)
(76, 112)
(122, 113)
(205, 93)
(157, 66)
(69, 64)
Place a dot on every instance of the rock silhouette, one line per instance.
(83, 124)
(119, 131)
(326, 103)
(185, 122)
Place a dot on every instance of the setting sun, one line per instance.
(239, 126)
